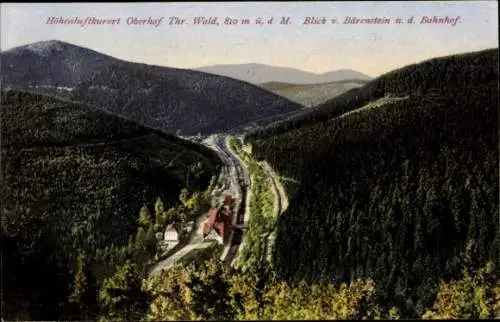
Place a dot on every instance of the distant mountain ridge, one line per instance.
(260, 73)
(311, 95)
(167, 99)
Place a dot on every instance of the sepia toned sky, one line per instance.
(371, 49)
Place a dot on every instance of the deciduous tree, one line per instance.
(121, 296)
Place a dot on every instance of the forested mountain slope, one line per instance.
(168, 99)
(73, 181)
(431, 77)
(399, 191)
(175, 99)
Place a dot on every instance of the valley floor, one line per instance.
(260, 200)
(233, 181)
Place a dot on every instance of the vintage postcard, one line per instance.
(249, 161)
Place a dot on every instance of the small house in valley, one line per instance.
(172, 233)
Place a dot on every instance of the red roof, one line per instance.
(209, 224)
(215, 222)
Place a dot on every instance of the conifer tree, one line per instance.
(144, 217)
(159, 212)
(150, 242)
(184, 196)
(80, 287)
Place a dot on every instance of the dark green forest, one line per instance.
(73, 182)
(398, 192)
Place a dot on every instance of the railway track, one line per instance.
(239, 184)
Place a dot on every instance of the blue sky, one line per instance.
(371, 49)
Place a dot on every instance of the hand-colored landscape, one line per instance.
(133, 191)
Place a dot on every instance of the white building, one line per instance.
(171, 234)
(212, 235)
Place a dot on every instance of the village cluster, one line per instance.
(216, 227)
